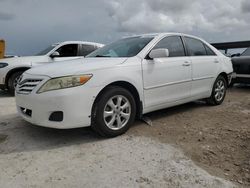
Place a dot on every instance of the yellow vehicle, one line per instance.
(2, 48)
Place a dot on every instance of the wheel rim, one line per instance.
(15, 82)
(117, 112)
(219, 90)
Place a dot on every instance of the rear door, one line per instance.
(167, 79)
(205, 65)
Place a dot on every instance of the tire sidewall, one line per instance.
(11, 81)
(98, 119)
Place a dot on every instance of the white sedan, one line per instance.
(122, 81)
(12, 68)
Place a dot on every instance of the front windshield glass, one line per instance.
(127, 47)
(47, 50)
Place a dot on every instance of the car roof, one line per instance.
(162, 35)
(80, 42)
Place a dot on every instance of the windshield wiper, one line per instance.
(102, 56)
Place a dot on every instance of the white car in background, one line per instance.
(12, 68)
(123, 80)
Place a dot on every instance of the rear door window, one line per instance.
(195, 47)
(209, 50)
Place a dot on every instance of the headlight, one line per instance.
(64, 82)
(2, 65)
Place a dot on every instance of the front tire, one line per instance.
(218, 92)
(12, 82)
(113, 112)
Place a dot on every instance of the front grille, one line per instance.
(27, 86)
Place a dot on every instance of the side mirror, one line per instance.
(55, 54)
(159, 53)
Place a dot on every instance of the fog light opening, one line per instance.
(26, 111)
(56, 116)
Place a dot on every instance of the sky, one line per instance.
(28, 26)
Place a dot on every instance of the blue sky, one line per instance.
(30, 25)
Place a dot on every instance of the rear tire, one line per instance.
(113, 112)
(218, 92)
(12, 82)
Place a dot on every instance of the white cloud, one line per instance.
(246, 6)
(179, 15)
(37, 23)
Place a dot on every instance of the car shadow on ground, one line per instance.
(23, 137)
(5, 93)
(17, 135)
(176, 110)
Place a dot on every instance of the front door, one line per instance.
(167, 79)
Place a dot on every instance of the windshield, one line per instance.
(127, 47)
(246, 52)
(47, 50)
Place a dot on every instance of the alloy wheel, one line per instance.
(219, 90)
(117, 112)
(15, 82)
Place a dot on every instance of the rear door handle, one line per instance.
(216, 61)
(186, 64)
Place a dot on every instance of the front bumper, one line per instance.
(75, 104)
(2, 76)
(241, 75)
(241, 78)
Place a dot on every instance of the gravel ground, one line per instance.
(192, 145)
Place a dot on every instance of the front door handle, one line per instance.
(186, 64)
(216, 61)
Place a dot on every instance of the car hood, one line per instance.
(25, 59)
(74, 67)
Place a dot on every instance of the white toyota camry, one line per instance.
(122, 81)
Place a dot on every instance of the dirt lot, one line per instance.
(216, 138)
(193, 145)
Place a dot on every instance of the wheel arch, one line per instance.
(12, 71)
(131, 88)
(224, 75)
